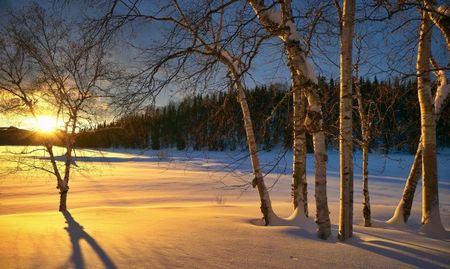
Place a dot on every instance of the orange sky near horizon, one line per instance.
(43, 123)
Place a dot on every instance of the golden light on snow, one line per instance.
(43, 123)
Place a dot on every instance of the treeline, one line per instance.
(211, 121)
(214, 121)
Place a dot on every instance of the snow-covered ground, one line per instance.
(172, 209)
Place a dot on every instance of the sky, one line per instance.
(380, 55)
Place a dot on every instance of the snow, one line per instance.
(297, 219)
(308, 71)
(293, 33)
(433, 227)
(397, 218)
(275, 16)
(133, 209)
(441, 95)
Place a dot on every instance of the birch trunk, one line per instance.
(235, 71)
(281, 24)
(365, 155)
(365, 187)
(61, 183)
(49, 149)
(313, 123)
(258, 181)
(430, 200)
(300, 188)
(64, 185)
(345, 122)
(299, 184)
(403, 210)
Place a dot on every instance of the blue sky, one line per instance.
(380, 55)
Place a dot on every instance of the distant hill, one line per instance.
(15, 136)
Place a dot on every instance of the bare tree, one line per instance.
(19, 94)
(437, 16)
(204, 38)
(430, 206)
(52, 65)
(366, 123)
(346, 19)
(281, 23)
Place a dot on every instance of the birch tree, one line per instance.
(206, 33)
(430, 200)
(43, 66)
(280, 23)
(299, 183)
(437, 16)
(365, 122)
(347, 17)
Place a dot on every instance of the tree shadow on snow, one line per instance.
(312, 234)
(406, 252)
(412, 254)
(76, 234)
(300, 231)
(412, 227)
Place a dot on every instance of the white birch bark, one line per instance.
(431, 221)
(258, 181)
(233, 66)
(266, 206)
(345, 122)
(61, 182)
(403, 209)
(314, 123)
(442, 91)
(281, 24)
(69, 141)
(299, 184)
(365, 133)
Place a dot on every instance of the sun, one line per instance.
(45, 124)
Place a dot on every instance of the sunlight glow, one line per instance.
(46, 124)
